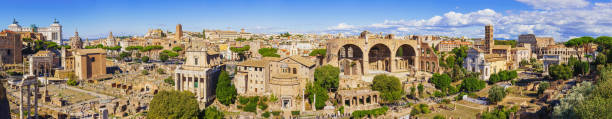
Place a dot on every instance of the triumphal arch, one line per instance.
(373, 54)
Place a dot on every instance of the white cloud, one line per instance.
(342, 26)
(555, 4)
(561, 23)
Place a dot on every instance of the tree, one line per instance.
(286, 34)
(226, 91)
(177, 49)
(412, 92)
(163, 57)
(268, 52)
(441, 82)
(565, 108)
(173, 105)
(496, 94)
(316, 52)
(320, 92)
(145, 59)
(125, 55)
(421, 89)
(389, 86)
(543, 86)
(472, 84)
(327, 77)
(560, 72)
(578, 42)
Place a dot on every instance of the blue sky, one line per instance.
(95, 18)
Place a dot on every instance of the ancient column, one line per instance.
(21, 102)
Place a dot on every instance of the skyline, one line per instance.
(561, 19)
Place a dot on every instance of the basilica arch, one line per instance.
(359, 56)
(379, 58)
(405, 57)
(350, 59)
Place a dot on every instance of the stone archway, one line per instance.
(379, 58)
(350, 60)
(405, 58)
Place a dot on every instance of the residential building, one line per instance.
(447, 46)
(252, 77)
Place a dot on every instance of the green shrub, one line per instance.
(144, 72)
(420, 109)
(374, 112)
(439, 117)
(295, 113)
(276, 113)
(251, 107)
(72, 82)
(445, 101)
(263, 106)
(266, 114)
(439, 94)
(243, 100)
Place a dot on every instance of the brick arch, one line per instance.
(350, 59)
(379, 57)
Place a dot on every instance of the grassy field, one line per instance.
(461, 112)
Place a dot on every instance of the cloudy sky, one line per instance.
(561, 19)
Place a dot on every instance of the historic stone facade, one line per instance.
(90, 64)
(41, 63)
(429, 59)
(52, 33)
(288, 79)
(76, 42)
(199, 74)
(252, 77)
(363, 55)
(10, 47)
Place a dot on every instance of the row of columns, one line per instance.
(183, 83)
(26, 107)
(361, 100)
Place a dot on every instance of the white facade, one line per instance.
(475, 62)
(51, 33)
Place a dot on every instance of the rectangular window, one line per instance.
(195, 85)
(93, 59)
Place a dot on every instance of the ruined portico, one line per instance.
(358, 98)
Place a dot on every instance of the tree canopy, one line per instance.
(226, 91)
(560, 72)
(212, 113)
(389, 86)
(320, 92)
(472, 84)
(496, 94)
(441, 81)
(316, 52)
(268, 52)
(173, 105)
(327, 77)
